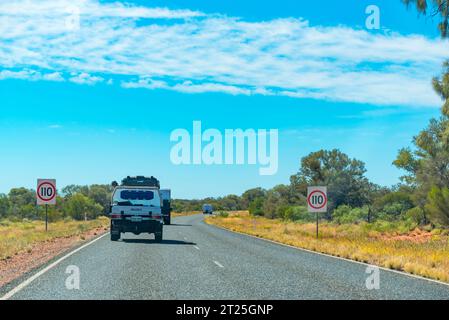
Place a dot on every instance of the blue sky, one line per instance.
(94, 104)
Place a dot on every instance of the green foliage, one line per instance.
(416, 215)
(78, 206)
(393, 205)
(345, 214)
(223, 214)
(434, 8)
(298, 213)
(251, 195)
(344, 177)
(101, 194)
(441, 87)
(230, 202)
(21, 196)
(384, 226)
(405, 160)
(72, 189)
(437, 206)
(427, 166)
(4, 205)
(276, 201)
(20, 203)
(53, 213)
(256, 207)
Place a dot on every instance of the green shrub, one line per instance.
(437, 206)
(384, 226)
(416, 215)
(298, 213)
(256, 207)
(223, 214)
(345, 214)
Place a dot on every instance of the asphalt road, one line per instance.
(198, 261)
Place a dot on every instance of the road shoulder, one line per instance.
(400, 272)
(23, 264)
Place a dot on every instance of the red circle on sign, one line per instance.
(52, 186)
(311, 194)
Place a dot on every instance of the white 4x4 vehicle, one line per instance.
(137, 208)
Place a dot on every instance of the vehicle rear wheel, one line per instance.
(167, 221)
(115, 237)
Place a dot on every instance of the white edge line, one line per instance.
(335, 257)
(218, 264)
(28, 281)
(196, 247)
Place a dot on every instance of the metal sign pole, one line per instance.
(317, 232)
(46, 217)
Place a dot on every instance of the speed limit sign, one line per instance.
(317, 199)
(46, 192)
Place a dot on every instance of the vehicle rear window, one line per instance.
(136, 195)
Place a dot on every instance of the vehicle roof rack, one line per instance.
(141, 181)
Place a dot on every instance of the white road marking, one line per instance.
(196, 248)
(46, 269)
(331, 256)
(218, 264)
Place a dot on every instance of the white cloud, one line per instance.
(85, 78)
(31, 75)
(194, 52)
(54, 76)
(186, 86)
(146, 83)
(90, 8)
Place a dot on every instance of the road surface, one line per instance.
(198, 261)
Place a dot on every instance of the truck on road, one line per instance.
(208, 209)
(137, 207)
(166, 205)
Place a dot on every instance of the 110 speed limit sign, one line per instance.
(317, 199)
(46, 192)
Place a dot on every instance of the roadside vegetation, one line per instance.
(185, 213)
(73, 202)
(20, 236)
(395, 245)
(79, 209)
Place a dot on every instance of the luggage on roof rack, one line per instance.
(141, 181)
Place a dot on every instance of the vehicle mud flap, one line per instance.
(158, 235)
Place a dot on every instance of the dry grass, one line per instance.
(16, 237)
(417, 252)
(182, 214)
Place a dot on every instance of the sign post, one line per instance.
(317, 202)
(46, 195)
